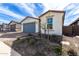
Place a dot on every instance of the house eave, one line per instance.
(29, 17)
(57, 11)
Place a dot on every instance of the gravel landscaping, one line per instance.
(34, 46)
(71, 44)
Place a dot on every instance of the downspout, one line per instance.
(39, 27)
(63, 24)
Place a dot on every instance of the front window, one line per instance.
(49, 23)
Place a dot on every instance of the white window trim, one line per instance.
(46, 22)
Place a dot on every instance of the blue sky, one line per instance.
(18, 11)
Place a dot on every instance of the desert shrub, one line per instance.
(58, 50)
(52, 38)
(40, 45)
(19, 41)
(55, 38)
(31, 41)
(72, 53)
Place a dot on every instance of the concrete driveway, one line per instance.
(12, 34)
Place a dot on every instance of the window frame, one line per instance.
(51, 27)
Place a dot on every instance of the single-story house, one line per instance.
(50, 22)
(14, 26)
(30, 25)
(53, 21)
(72, 29)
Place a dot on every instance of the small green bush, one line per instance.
(58, 50)
(20, 41)
(31, 41)
(55, 38)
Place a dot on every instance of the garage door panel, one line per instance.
(29, 27)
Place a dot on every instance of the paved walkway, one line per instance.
(7, 51)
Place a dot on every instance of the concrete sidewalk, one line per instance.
(7, 51)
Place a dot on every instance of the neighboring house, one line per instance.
(14, 26)
(72, 29)
(30, 25)
(5, 27)
(54, 21)
(0, 28)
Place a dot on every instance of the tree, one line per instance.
(43, 26)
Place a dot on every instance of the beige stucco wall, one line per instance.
(57, 22)
(30, 20)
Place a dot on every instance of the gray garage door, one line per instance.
(29, 27)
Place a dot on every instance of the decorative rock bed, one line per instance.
(35, 46)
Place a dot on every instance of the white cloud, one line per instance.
(76, 11)
(31, 5)
(27, 8)
(10, 13)
(38, 1)
(73, 9)
(3, 21)
(70, 6)
(58, 4)
(54, 6)
(69, 21)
